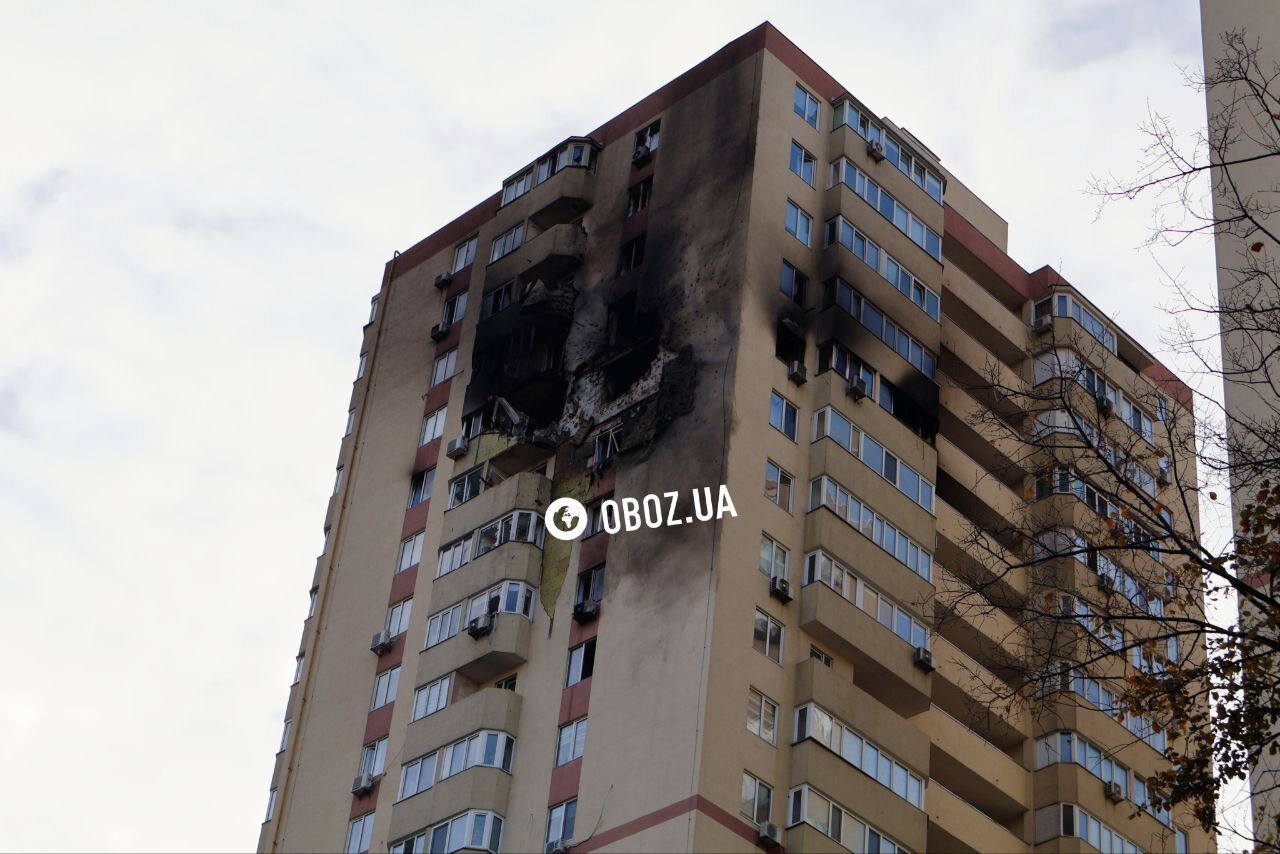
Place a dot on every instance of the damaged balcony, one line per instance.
(519, 353)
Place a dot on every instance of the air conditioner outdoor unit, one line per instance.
(560, 846)
(1105, 406)
(858, 388)
(1042, 324)
(1163, 476)
(922, 657)
(1113, 792)
(769, 835)
(1105, 584)
(457, 447)
(780, 589)
(480, 626)
(640, 155)
(381, 642)
(875, 148)
(585, 612)
(796, 373)
(362, 784)
(439, 331)
(1067, 607)
(443, 279)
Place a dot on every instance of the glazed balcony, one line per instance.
(505, 646)
(882, 661)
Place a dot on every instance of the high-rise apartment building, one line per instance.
(744, 279)
(1245, 276)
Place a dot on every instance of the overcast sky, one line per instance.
(195, 208)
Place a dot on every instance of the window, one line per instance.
(445, 367)
(507, 242)
(384, 687)
(638, 196)
(606, 445)
(373, 310)
(631, 255)
(443, 625)
(560, 823)
(839, 230)
(432, 697)
(271, 806)
(582, 662)
(844, 172)
(284, 736)
(803, 164)
(793, 283)
(466, 486)
(508, 597)
(782, 416)
(506, 684)
(820, 656)
(517, 186)
(595, 518)
(767, 637)
(497, 299)
(398, 617)
(590, 586)
(454, 556)
(351, 422)
(815, 722)
(757, 799)
(806, 107)
(1066, 305)
(573, 737)
(473, 830)
(418, 775)
(798, 223)
(337, 480)
(841, 293)
(420, 486)
(487, 747)
(777, 485)
(521, 526)
(762, 716)
(465, 253)
(411, 551)
(433, 426)
(773, 558)
(297, 668)
(364, 358)
(373, 759)
(825, 492)
(359, 834)
(649, 136)
(1138, 420)
(311, 606)
(454, 309)
(821, 567)
(895, 152)
(827, 817)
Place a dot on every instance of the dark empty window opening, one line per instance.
(638, 196)
(631, 255)
(790, 345)
(627, 369)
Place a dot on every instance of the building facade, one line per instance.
(1245, 276)
(746, 279)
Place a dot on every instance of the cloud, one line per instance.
(195, 207)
